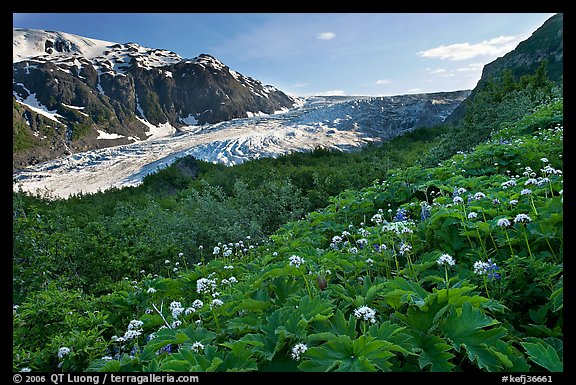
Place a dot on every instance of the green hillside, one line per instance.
(456, 267)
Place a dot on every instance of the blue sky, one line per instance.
(320, 53)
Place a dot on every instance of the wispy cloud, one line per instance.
(298, 85)
(471, 69)
(330, 93)
(382, 81)
(326, 35)
(462, 51)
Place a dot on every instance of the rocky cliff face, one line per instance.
(73, 94)
(546, 43)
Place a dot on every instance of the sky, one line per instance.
(304, 54)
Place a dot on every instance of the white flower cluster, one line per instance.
(151, 290)
(446, 259)
(503, 222)
(479, 195)
(296, 261)
(365, 313)
(377, 218)
(511, 182)
(404, 247)
(480, 267)
(216, 303)
(472, 215)
(298, 350)
(228, 267)
(197, 347)
(176, 308)
(134, 330)
(63, 351)
(205, 285)
(522, 218)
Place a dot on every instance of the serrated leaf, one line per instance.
(465, 327)
(399, 340)
(344, 354)
(434, 352)
(543, 354)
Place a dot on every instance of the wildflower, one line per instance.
(176, 324)
(480, 267)
(365, 313)
(107, 358)
(406, 230)
(526, 192)
(404, 247)
(176, 308)
(495, 201)
(513, 202)
(63, 351)
(401, 215)
(362, 242)
(353, 250)
(216, 303)
(189, 310)
(175, 269)
(486, 268)
(296, 261)
(503, 222)
(228, 267)
(232, 280)
(457, 200)
(275, 254)
(425, 212)
(130, 334)
(197, 304)
(167, 261)
(25, 370)
(479, 195)
(197, 347)
(135, 325)
(298, 350)
(521, 218)
(544, 160)
(216, 250)
(530, 181)
(377, 218)
(370, 261)
(472, 215)
(205, 285)
(446, 259)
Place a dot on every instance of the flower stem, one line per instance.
(527, 243)
(306, 282)
(509, 244)
(486, 287)
(446, 279)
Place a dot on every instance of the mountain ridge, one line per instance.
(78, 93)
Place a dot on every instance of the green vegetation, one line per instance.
(368, 261)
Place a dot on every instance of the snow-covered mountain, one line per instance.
(328, 122)
(74, 94)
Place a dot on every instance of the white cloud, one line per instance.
(326, 35)
(472, 67)
(382, 81)
(462, 51)
(330, 93)
(299, 85)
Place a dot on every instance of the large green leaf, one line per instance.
(466, 327)
(342, 354)
(401, 291)
(542, 353)
(434, 351)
